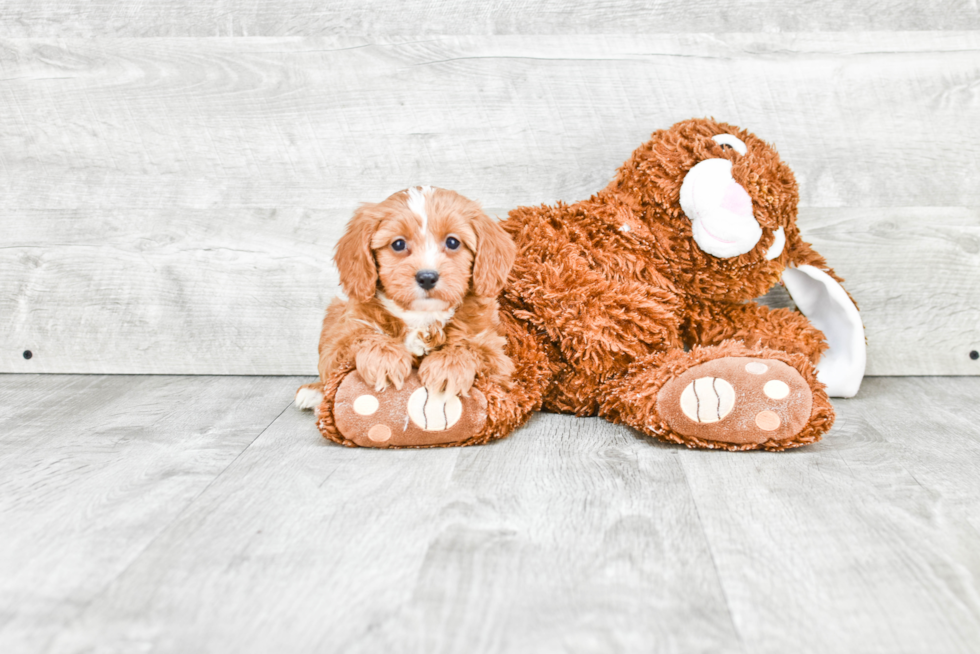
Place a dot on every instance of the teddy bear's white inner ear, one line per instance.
(777, 246)
(825, 303)
(719, 209)
(727, 139)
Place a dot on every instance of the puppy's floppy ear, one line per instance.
(354, 257)
(495, 252)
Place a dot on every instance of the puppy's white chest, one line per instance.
(415, 342)
(418, 325)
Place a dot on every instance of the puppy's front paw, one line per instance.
(452, 371)
(378, 363)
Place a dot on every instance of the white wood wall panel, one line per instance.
(167, 292)
(243, 291)
(865, 119)
(169, 205)
(31, 18)
(915, 272)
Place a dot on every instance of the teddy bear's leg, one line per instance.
(354, 414)
(756, 326)
(728, 396)
(410, 416)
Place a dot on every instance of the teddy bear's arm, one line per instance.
(599, 325)
(754, 325)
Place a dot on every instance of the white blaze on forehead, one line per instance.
(416, 204)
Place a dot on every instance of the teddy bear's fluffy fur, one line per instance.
(610, 298)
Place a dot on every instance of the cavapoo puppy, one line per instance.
(422, 271)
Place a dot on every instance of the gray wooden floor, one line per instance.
(191, 514)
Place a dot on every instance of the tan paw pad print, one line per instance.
(409, 417)
(708, 399)
(434, 411)
(737, 400)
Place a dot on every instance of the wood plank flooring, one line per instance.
(177, 514)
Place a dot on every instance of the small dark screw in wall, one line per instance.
(28, 354)
(974, 355)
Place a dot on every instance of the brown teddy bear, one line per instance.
(637, 305)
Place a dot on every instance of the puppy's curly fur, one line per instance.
(396, 319)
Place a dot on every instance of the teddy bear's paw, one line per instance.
(737, 400)
(408, 417)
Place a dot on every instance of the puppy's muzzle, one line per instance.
(427, 279)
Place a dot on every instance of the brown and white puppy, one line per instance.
(422, 271)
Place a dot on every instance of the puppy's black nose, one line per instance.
(426, 279)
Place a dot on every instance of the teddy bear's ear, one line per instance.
(817, 291)
(801, 253)
(495, 252)
(353, 255)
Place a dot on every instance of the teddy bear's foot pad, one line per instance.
(737, 400)
(410, 417)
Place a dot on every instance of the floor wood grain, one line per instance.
(93, 468)
(172, 514)
(808, 543)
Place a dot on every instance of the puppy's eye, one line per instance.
(452, 243)
(398, 245)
